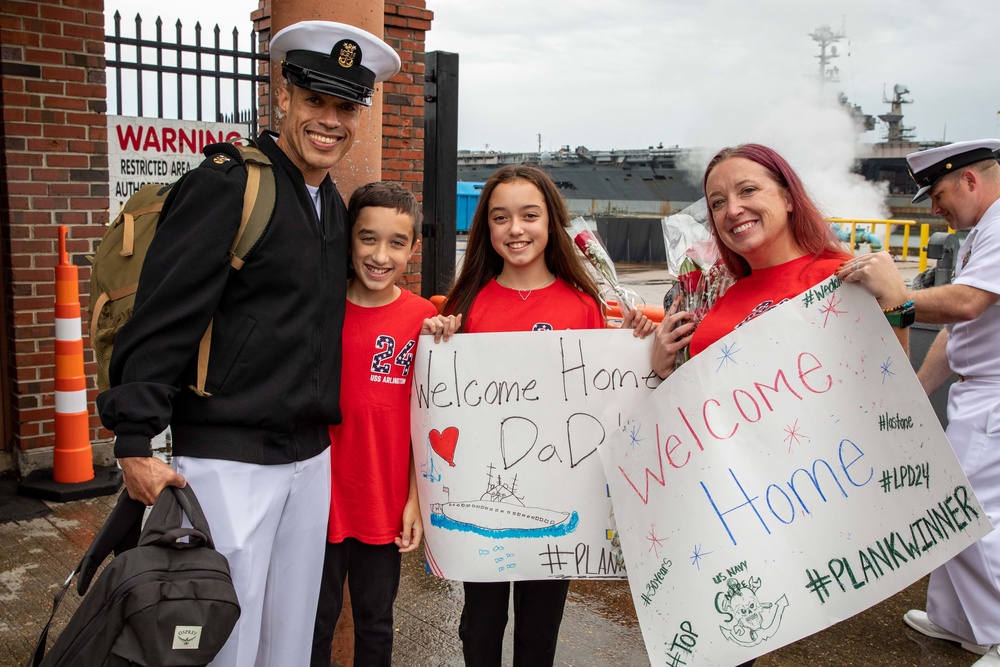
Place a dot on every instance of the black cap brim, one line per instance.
(321, 82)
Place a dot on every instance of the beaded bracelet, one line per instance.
(898, 308)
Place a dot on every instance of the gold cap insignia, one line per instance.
(348, 52)
(220, 159)
(948, 166)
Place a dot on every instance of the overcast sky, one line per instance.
(696, 73)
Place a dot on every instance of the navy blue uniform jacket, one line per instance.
(274, 367)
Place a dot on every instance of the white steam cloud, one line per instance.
(813, 131)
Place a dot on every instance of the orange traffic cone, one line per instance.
(72, 460)
(73, 475)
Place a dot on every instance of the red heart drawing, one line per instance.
(444, 443)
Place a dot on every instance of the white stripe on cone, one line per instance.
(68, 328)
(71, 402)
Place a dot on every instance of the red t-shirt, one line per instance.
(370, 448)
(758, 293)
(556, 307)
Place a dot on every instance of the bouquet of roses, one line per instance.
(590, 245)
(700, 280)
(693, 262)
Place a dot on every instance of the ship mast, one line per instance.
(827, 40)
(826, 37)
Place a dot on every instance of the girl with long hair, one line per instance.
(522, 272)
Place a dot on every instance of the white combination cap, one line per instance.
(334, 59)
(926, 167)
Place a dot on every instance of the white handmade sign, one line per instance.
(790, 476)
(505, 431)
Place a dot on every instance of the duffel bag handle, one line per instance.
(163, 526)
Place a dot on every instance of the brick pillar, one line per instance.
(262, 25)
(406, 25)
(56, 172)
(362, 164)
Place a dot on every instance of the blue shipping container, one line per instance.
(465, 202)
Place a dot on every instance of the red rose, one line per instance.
(690, 281)
(581, 240)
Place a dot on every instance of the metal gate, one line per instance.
(223, 82)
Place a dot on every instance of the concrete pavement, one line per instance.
(600, 627)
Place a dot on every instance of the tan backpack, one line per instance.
(114, 276)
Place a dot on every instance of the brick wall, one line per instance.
(55, 143)
(55, 171)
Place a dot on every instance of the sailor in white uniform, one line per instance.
(963, 183)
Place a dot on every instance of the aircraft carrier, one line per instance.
(616, 182)
(652, 181)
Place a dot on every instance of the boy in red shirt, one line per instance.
(374, 516)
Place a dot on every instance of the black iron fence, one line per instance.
(223, 82)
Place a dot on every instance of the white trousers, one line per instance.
(963, 595)
(270, 522)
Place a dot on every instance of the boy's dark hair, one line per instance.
(385, 194)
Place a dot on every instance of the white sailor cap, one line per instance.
(334, 59)
(926, 167)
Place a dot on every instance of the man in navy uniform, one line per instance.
(962, 181)
(254, 446)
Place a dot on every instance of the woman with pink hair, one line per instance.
(776, 243)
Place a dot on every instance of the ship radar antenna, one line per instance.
(895, 130)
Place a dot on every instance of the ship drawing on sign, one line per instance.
(499, 512)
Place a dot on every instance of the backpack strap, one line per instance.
(258, 204)
(103, 299)
(204, 347)
(119, 533)
(258, 207)
(128, 219)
